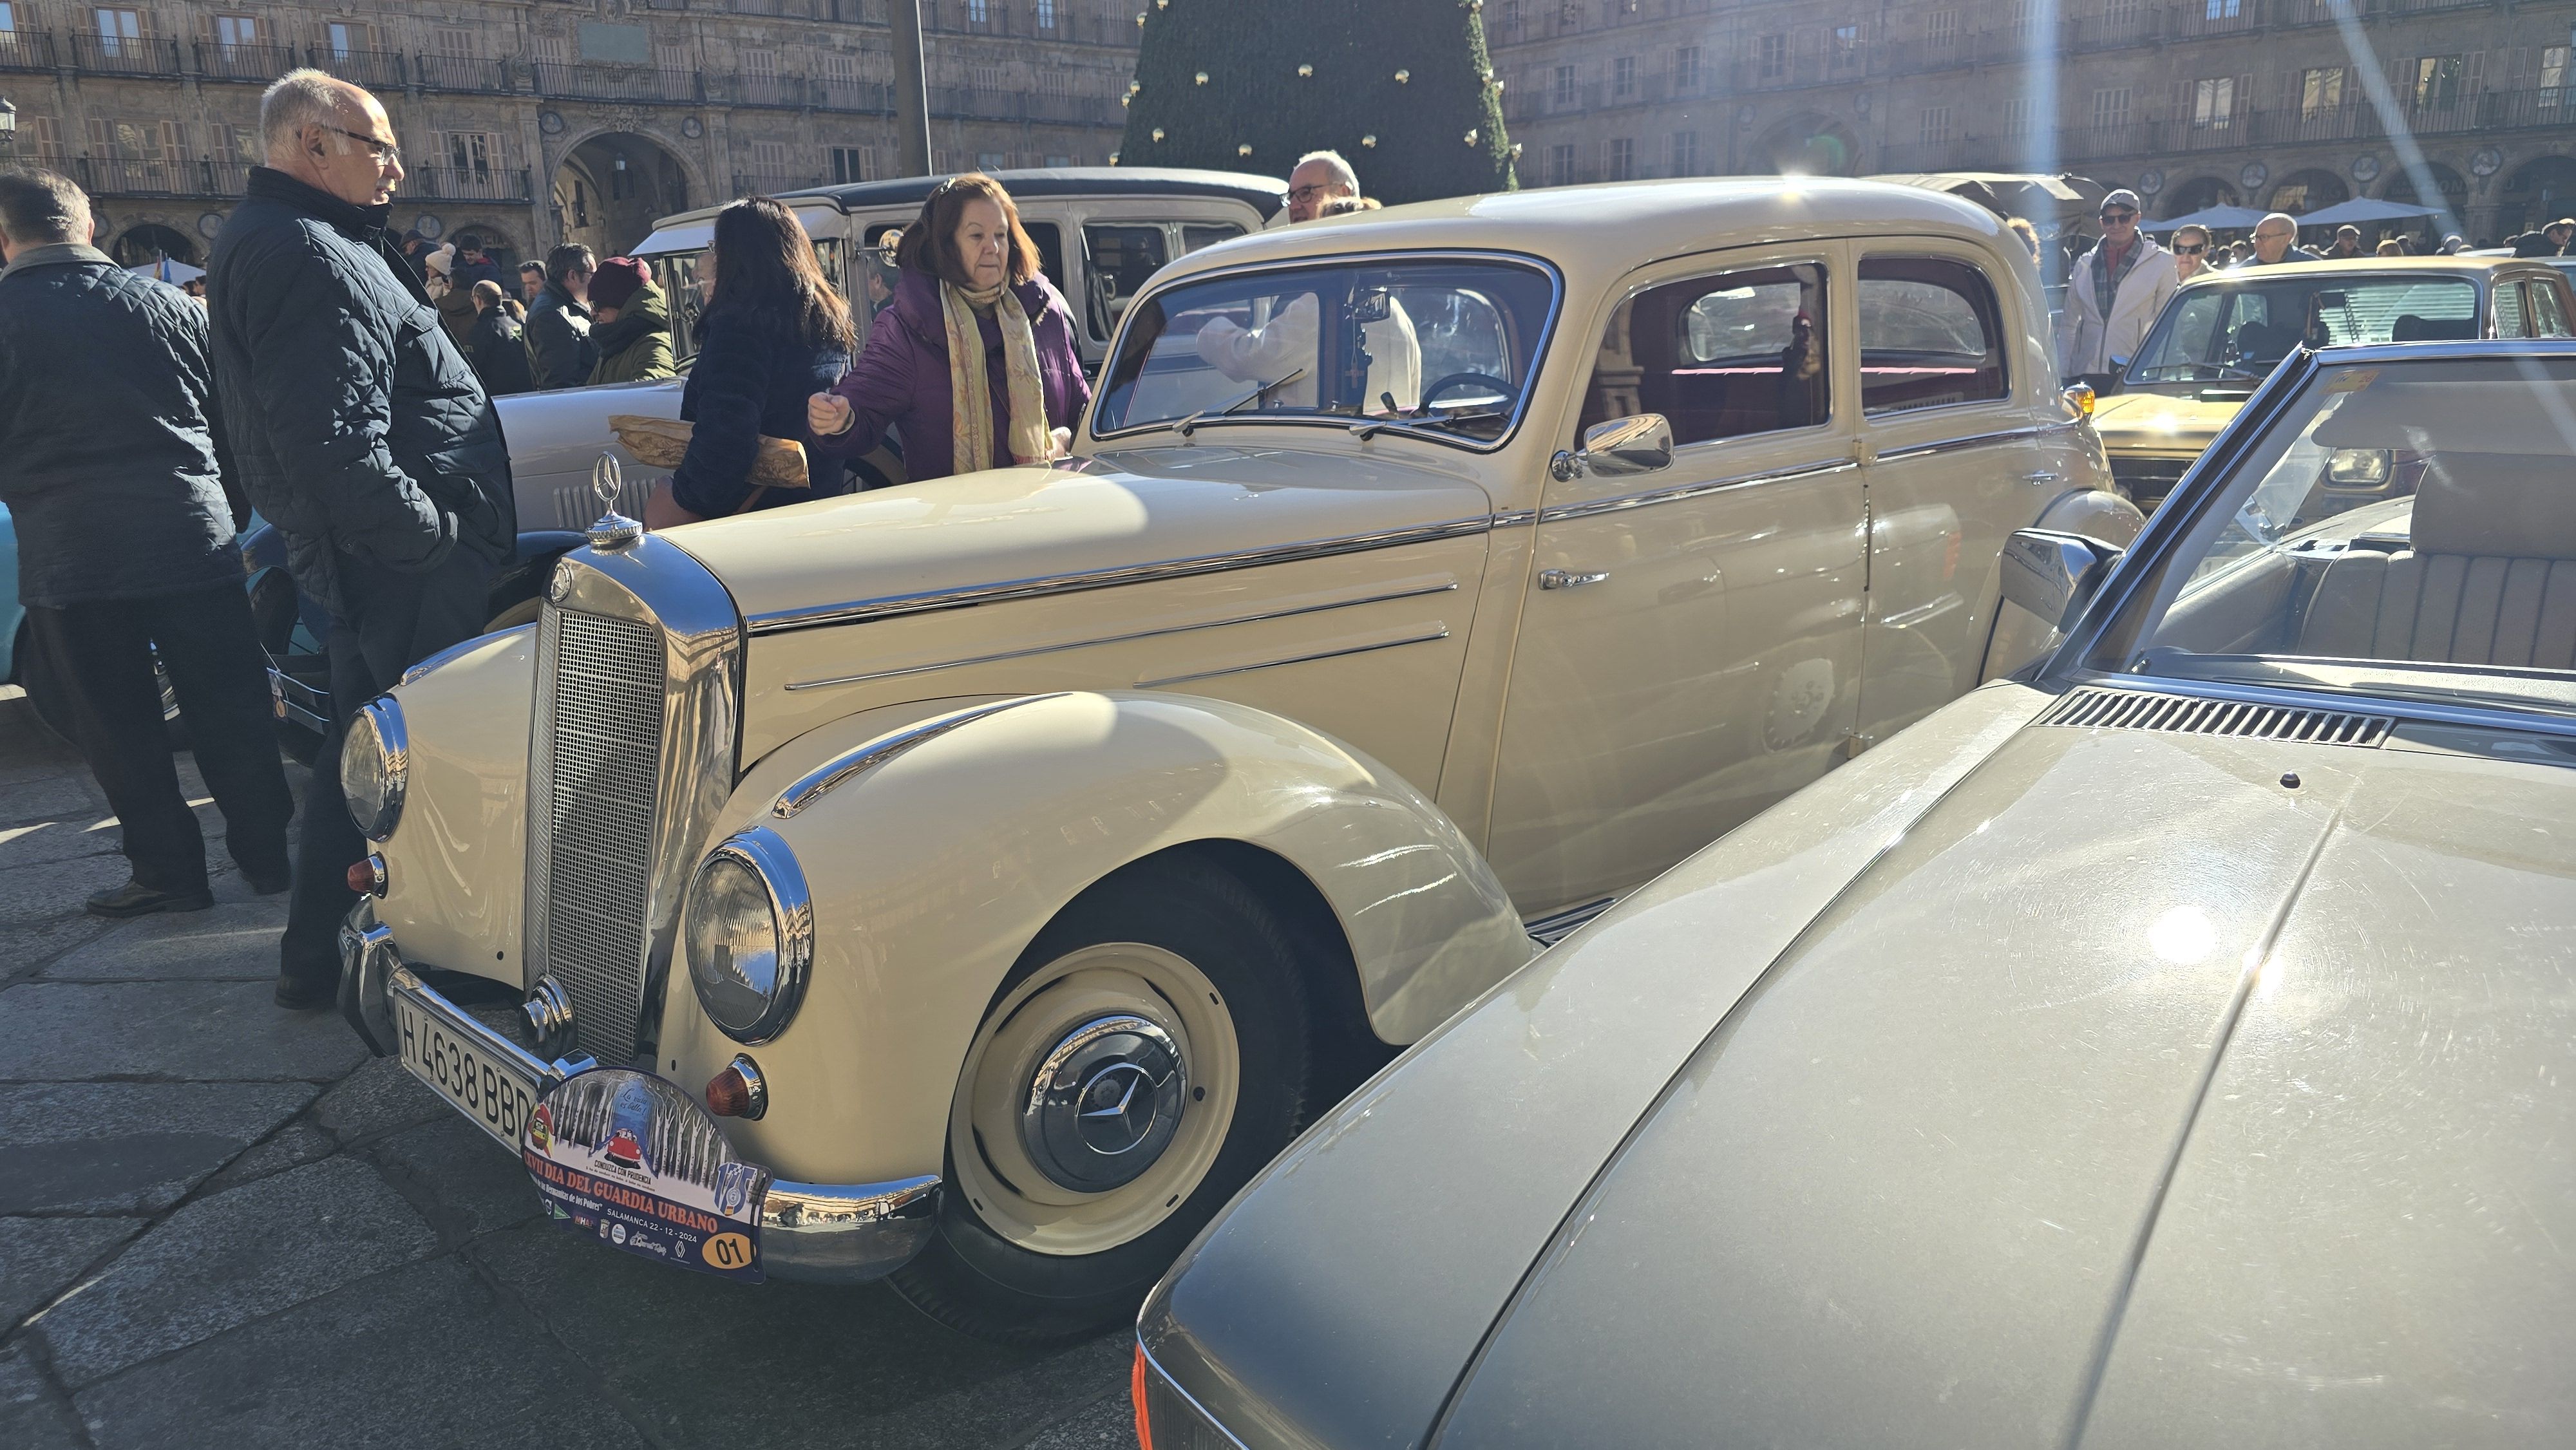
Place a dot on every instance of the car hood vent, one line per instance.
(2188, 715)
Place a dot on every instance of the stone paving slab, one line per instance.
(56, 796)
(205, 1031)
(31, 1415)
(44, 890)
(782, 1364)
(423, 1355)
(232, 940)
(41, 1257)
(223, 1261)
(466, 1183)
(25, 949)
(50, 840)
(127, 1147)
(380, 1097)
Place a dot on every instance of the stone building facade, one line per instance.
(2287, 104)
(527, 122)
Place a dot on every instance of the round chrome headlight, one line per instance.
(375, 760)
(750, 936)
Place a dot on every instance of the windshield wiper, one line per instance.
(1464, 414)
(1190, 424)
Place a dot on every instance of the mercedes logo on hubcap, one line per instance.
(1104, 1102)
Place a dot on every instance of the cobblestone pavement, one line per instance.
(226, 1225)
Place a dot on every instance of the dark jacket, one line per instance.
(487, 270)
(559, 339)
(637, 346)
(2533, 244)
(499, 353)
(751, 378)
(901, 377)
(109, 439)
(359, 429)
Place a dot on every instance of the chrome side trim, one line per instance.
(1331, 654)
(1972, 440)
(1048, 649)
(1514, 518)
(1588, 507)
(819, 781)
(845, 1233)
(860, 611)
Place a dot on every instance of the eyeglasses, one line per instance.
(1315, 192)
(384, 151)
(2119, 216)
(2274, 236)
(2191, 251)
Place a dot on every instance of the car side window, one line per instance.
(1195, 235)
(1120, 259)
(2548, 311)
(1050, 245)
(1720, 356)
(1931, 335)
(2508, 311)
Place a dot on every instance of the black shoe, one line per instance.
(136, 899)
(296, 994)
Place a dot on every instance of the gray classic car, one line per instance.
(2170, 1045)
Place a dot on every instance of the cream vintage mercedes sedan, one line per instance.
(976, 882)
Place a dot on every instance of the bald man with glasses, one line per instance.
(362, 433)
(2276, 242)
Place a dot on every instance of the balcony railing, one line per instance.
(985, 104)
(217, 61)
(360, 67)
(148, 56)
(27, 50)
(119, 176)
(461, 73)
(855, 95)
(619, 83)
(468, 183)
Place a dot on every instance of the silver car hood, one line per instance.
(2131, 1096)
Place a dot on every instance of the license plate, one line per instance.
(496, 1093)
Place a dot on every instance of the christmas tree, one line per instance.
(1402, 88)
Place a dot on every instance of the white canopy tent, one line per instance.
(2216, 218)
(168, 271)
(2363, 211)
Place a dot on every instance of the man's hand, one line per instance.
(829, 415)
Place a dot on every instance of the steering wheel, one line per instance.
(1442, 386)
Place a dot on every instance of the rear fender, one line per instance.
(937, 839)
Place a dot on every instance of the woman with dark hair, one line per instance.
(978, 369)
(772, 331)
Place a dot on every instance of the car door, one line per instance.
(1690, 638)
(1954, 465)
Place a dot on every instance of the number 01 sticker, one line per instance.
(626, 1158)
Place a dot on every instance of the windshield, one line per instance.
(863, 275)
(1444, 346)
(2238, 331)
(2403, 528)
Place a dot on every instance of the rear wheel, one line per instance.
(1149, 1052)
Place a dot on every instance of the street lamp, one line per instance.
(8, 128)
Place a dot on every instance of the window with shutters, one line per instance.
(760, 64)
(2320, 91)
(1935, 125)
(1046, 14)
(1773, 53)
(1686, 69)
(118, 31)
(345, 41)
(2438, 81)
(1941, 29)
(2553, 76)
(1619, 159)
(234, 31)
(1562, 93)
(1057, 82)
(241, 143)
(2016, 115)
(1842, 47)
(1685, 153)
(986, 77)
(2213, 103)
(473, 153)
(1560, 165)
(548, 49)
(977, 12)
(455, 42)
(993, 160)
(672, 57)
(1623, 76)
(2222, 9)
(849, 164)
(2110, 107)
(41, 138)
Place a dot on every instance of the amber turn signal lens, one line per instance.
(2082, 399)
(728, 1096)
(1136, 1393)
(367, 877)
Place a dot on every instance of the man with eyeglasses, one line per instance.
(2276, 241)
(2113, 293)
(362, 433)
(1320, 177)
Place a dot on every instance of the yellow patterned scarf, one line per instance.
(970, 413)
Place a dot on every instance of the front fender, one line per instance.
(933, 866)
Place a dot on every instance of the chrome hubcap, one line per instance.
(1104, 1103)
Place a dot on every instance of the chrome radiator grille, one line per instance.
(601, 744)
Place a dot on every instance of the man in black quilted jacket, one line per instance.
(362, 434)
(110, 463)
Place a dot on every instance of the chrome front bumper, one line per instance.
(824, 1233)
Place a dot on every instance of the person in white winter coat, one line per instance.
(2113, 293)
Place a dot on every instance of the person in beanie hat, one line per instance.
(2114, 292)
(455, 301)
(630, 324)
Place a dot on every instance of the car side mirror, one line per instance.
(2052, 574)
(1639, 443)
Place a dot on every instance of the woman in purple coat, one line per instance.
(974, 362)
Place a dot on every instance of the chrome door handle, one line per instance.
(1565, 579)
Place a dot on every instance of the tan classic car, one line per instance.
(2224, 332)
(977, 881)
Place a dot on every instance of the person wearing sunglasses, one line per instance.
(2113, 293)
(2191, 252)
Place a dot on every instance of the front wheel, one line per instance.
(1149, 1052)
